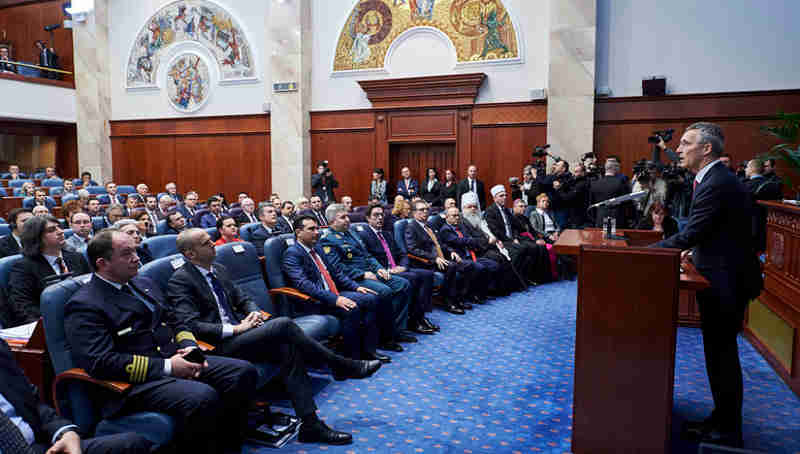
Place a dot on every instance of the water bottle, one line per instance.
(613, 221)
(606, 227)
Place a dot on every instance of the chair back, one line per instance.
(39, 175)
(235, 212)
(529, 210)
(213, 233)
(53, 182)
(17, 192)
(75, 399)
(104, 199)
(246, 231)
(161, 246)
(6, 264)
(125, 189)
(358, 217)
(68, 197)
(161, 270)
(96, 189)
(241, 260)
(199, 215)
(27, 202)
(3, 192)
(17, 183)
(77, 181)
(5, 229)
(400, 234)
(435, 222)
(58, 190)
(161, 227)
(68, 233)
(98, 223)
(357, 227)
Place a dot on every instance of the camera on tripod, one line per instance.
(658, 136)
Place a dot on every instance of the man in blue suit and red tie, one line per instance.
(407, 187)
(336, 293)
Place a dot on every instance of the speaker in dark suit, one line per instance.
(472, 184)
(40, 426)
(719, 234)
(120, 328)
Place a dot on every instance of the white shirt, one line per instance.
(17, 239)
(702, 173)
(51, 259)
(227, 327)
(308, 251)
(549, 225)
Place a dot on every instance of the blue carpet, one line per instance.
(499, 380)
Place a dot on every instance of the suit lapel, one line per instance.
(123, 300)
(202, 284)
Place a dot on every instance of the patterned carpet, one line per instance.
(499, 380)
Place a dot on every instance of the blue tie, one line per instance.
(223, 300)
(129, 290)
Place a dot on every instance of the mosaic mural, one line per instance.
(480, 30)
(188, 82)
(197, 21)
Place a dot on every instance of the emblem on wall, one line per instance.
(188, 82)
(195, 21)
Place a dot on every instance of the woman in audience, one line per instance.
(131, 228)
(431, 188)
(449, 190)
(658, 219)
(69, 208)
(402, 209)
(228, 230)
(28, 189)
(143, 222)
(377, 188)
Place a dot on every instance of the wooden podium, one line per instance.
(625, 340)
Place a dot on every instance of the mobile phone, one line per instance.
(195, 356)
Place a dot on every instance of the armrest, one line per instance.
(419, 259)
(288, 291)
(81, 375)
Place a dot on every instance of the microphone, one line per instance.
(617, 200)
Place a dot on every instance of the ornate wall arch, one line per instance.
(481, 31)
(195, 21)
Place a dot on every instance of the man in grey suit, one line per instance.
(81, 225)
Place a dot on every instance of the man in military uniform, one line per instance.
(118, 328)
(342, 247)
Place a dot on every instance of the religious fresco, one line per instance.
(196, 21)
(188, 82)
(480, 30)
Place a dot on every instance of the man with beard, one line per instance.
(467, 249)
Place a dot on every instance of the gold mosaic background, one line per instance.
(481, 30)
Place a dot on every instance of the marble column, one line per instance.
(93, 92)
(570, 97)
(289, 42)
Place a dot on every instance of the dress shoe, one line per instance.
(319, 432)
(454, 309)
(277, 419)
(418, 327)
(378, 356)
(391, 346)
(719, 437)
(427, 323)
(405, 338)
(357, 369)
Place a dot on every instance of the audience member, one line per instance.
(241, 196)
(131, 228)
(210, 219)
(275, 200)
(11, 244)
(86, 180)
(28, 189)
(402, 209)
(165, 203)
(143, 223)
(303, 204)
(176, 223)
(151, 208)
(189, 207)
(431, 188)
(81, 225)
(472, 184)
(543, 221)
(378, 187)
(93, 208)
(40, 210)
(610, 186)
(208, 399)
(5, 66)
(248, 215)
(142, 189)
(13, 170)
(342, 249)
(30, 423)
(528, 189)
(268, 228)
(131, 204)
(323, 183)
(575, 197)
(657, 218)
(69, 208)
(113, 196)
(223, 203)
(68, 188)
(467, 251)
(334, 292)
(316, 211)
(84, 196)
(50, 173)
(657, 191)
(286, 218)
(449, 187)
(228, 230)
(407, 186)
(40, 198)
(220, 312)
(769, 174)
(42, 246)
(347, 201)
(760, 188)
(172, 191)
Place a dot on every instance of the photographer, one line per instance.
(323, 183)
(576, 197)
(589, 161)
(655, 184)
(557, 184)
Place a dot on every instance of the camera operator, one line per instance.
(576, 197)
(656, 185)
(559, 181)
(528, 189)
(592, 171)
(323, 183)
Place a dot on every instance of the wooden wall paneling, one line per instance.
(342, 120)
(225, 125)
(464, 151)
(507, 114)
(351, 156)
(418, 126)
(418, 157)
(149, 160)
(67, 152)
(502, 152)
(381, 143)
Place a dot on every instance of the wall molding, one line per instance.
(419, 92)
(192, 126)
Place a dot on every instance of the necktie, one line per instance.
(387, 250)
(432, 235)
(694, 186)
(324, 272)
(11, 438)
(471, 252)
(223, 300)
(322, 221)
(472, 186)
(128, 290)
(61, 265)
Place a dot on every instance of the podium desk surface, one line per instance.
(570, 242)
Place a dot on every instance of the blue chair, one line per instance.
(161, 227)
(39, 175)
(125, 189)
(235, 212)
(529, 210)
(98, 223)
(68, 233)
(3, 221)
(161, 246)
(104, 199)
(435, 222)
(56, 190)
(77, 182)
(68, 197)
(17, 192)
(246, 231)
(53, 183)
(3, 192)
(5, 229)
(96, 190)
(358, 217)
(6, 263)
(18, 183)
(400, 240)
(5, 176)
(213, 233)
(315, 325)
(28, 202)
(199, 215)
(73, 387)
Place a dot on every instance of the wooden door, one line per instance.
(418, 158)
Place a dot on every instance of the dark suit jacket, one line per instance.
(193, 301)
(375, 249)
(244, 219)
(408, 191)
(28, 277)
(313, 214)
(329, 183)
(24, 397)
(461, 246)
(8, 246)
(186, 214)
(719, 231)
(448, 192)
(463, 188)
(115, 336)
(606, 188)
(495, 221)
(208, 221)
(120, 199)
(433, 195)
(285, 226)
(418, 242)
(302, 273)
(259, 235)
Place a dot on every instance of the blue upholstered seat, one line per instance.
(161, 227)
(125, 189)
(5, 229)
(161, 246)
(96, 189)
(246, 231)
(53, 183)
(18, 183)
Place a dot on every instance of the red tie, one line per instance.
(388, 251)
(324, 272)
(471, 253)
(694, 186)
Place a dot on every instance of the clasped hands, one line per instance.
(253, 320)
(347, 304)
(186, 369)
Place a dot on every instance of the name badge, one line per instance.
(177, 263)
(238, 248)
(125, 331)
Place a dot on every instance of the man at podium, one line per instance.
(719, 236)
